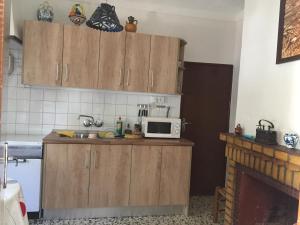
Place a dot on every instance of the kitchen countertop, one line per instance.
(54, 138)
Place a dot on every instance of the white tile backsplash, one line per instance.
(38, 110)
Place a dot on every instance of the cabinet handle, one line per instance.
(121, 80)
(128, 77)
(5, 165)
(95, 160)
(87, 160)
(152, 78)
(57, 72)
(10, 64)
(67, 72)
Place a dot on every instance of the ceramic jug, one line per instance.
(131, 25)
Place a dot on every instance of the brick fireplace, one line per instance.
(262, 183)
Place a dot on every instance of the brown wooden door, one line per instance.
(66, 176)
(110, 176)
(80, 57)
(112, 57)
(175, 175)
(206, 105)
(42, 53)
(163, 72)
(137, 62)
(145, 175)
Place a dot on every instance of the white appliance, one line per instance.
(160, 127)
(24, 166)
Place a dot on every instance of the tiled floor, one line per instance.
(200, 214)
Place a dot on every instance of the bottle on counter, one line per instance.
(128, 130)
(119, 127)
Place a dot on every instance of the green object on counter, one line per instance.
(119, 127)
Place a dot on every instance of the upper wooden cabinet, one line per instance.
(137, 62)
(111, 64)
(80, 57)
(163, 72)
(42, 53)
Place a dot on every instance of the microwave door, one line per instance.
(159, 127)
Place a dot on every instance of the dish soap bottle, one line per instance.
(119, 127)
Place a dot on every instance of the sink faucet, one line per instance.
(90, 121)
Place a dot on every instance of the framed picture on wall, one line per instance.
(288, 46)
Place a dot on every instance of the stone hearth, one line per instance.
(262, 183)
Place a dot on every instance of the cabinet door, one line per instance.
(163, 72)
(42, 54)
(145, 175)
(111, 64)
(175, 175)
(110, 176)
(80, 57)
(137, 62)
(66, 176)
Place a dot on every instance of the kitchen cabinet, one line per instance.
(66, 176)
(115, 174)
(110, 176)
(137, 62)
(111, 62)
(175, 175)
(163, 71)
(42, 53)
(80, 57)
(145, 175)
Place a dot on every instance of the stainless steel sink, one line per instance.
(82, 134)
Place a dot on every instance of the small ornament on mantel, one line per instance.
(238, 130)
(131, 25)
(291, 140)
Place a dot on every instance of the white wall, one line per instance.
(211, 38)
(266, 90)
(38, 110)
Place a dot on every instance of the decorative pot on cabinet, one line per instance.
(131, 25)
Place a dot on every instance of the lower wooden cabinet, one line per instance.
(110, 176)
(66, 176)
(175, 175)
(95, 176)
(145, 175)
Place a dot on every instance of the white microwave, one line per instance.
(156, 127)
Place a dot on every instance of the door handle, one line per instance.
(184, 123)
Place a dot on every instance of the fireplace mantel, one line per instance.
(276, 162)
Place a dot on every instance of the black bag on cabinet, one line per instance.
(105, 18)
